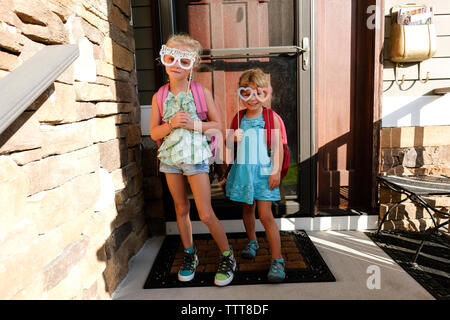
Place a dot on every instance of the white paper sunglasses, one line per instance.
(261, 94)
(170, 56)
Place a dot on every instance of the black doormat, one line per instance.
(303, 261)
(433, 264)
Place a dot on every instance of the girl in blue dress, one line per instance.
(254, 178)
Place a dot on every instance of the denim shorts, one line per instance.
(185, 169)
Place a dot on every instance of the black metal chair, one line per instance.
(414, 188)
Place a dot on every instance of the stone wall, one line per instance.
(413, 151)
(71, 195)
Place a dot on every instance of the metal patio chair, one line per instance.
(415, 188)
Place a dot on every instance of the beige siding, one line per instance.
(438, 66)
(145, 59)
(440, 6)
(392, 90)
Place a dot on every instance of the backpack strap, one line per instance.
(282, 128)
(269, 126)
(161, 97)
(237, 119)
(269, 117)
(199, 100)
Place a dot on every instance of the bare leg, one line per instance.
(201, 189)
(177, 186)
(272, 232)
(248, 216)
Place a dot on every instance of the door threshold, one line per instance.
(340, 223)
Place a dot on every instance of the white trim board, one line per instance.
(146, 113)
(21, 87)
(341, 223)
(414, 111)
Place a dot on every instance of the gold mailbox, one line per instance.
(413, 35)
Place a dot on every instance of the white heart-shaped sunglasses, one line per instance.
(261, 94)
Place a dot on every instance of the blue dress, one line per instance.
(249, 175)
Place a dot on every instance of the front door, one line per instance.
(268, 34)
(344, 112)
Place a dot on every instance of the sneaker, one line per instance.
(250, 249)
(225, 272)
(190, 263)
(276, 272)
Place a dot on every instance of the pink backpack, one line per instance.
(200, 104)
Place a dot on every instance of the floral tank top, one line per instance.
(182, 145)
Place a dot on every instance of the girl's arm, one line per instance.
(157, 130)
(277, 157)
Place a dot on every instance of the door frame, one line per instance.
(305, 111)
(369, 87)
(306, 131)
(303, 29)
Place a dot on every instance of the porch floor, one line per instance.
(348, 254)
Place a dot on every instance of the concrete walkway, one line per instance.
(351, 256)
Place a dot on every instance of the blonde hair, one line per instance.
(185, 39)
(254, 76)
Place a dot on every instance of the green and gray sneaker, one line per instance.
(225, 272)
(190, 263)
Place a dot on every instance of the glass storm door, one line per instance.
(269, 34)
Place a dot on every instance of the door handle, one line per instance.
(305, 51)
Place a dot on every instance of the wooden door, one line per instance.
(344, 105)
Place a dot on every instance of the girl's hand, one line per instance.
(274, 180)
(189, 123)
(180, 119)
(239, 134)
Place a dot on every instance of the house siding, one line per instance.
(415, 137)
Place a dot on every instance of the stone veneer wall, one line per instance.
(413, 151)
(71, 196)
